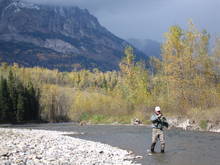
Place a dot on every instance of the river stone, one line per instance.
(139, 157)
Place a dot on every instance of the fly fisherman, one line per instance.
(158, 123)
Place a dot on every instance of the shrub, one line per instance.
(203, 124)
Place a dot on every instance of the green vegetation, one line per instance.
(203, 124)
(185, 82)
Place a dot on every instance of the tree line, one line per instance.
(18, 103)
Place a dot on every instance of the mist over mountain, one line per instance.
(147, 46)
(62, 37)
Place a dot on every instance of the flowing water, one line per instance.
(182, 147)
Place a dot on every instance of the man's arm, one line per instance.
(154, 118)
(164, 120)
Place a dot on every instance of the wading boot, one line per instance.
(162, 148)
(152, 147)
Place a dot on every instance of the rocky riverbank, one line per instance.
(188, 124)
(33, 147)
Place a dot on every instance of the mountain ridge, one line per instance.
(58, 31)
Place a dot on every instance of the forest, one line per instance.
(185, 82)
(18, 103)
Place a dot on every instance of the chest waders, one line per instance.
(157, 133)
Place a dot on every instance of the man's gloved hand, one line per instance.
(159, 115)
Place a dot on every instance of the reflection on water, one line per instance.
(182, 147)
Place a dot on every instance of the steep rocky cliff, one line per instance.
(59, 37)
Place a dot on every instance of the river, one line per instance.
(182, 147)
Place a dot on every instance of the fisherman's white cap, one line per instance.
(157, 109)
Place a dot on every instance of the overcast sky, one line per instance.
(149, 19)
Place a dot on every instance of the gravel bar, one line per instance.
(40, 147)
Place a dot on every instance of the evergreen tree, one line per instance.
(36, 104)
(33, 104)
(21, 103)
(27, 105)
(13, 95)
(5, 101)
(20, 115)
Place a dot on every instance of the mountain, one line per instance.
(64, 38)
(147, 46)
